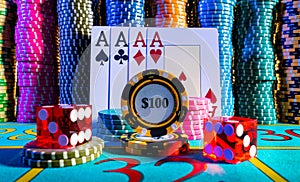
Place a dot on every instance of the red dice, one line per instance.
(230, 139)
(63, 126)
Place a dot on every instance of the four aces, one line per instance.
(119, 53)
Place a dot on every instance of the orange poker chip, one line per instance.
(170, 16)
(172, 25)
(161, 18)
(183, 2)
(170, 6)
(170, 11)
(170, 21)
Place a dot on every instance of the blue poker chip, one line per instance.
(115, 114)
(231, 2)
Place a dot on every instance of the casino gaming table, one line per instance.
(278, 159)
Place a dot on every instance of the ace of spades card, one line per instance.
(119, 53)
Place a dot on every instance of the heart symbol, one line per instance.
(182, 77)
(210, 94)
(155, 54)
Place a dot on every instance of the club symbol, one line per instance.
(121, 56)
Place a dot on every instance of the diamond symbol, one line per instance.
(139, 57)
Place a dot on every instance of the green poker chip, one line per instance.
(59, 163)
(92, 147)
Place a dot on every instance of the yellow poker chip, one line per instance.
(135, 140)
(154, 103)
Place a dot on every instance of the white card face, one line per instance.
(118, 65)
(99, 74)
(155, 50)
(184, 63)
(137, 51)
(207, 40)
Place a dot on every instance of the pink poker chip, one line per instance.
(198, 108)
(195, 117)
(192, 127)
(195, 137)
(37, 70)
(191, 132)
(34, 65)
(36, 74)
(197, 113)
(199, 101)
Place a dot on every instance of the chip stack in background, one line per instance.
(193, 123)
(99, 11)
(53, 158)
(75, 21)
(254, 60)
(171, 13)
(167, 145)
(36, 55)
(220, 14)
(111, 125)
(8, 15)
(288, 93)
(150, 12)
(125, 13)
(192, 13)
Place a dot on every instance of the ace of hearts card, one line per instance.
(119, 53)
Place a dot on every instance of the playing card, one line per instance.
(137, 51)
(99, 73)
(155, 50)
(118, 65)
(184, 63)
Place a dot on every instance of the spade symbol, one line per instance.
(101, 57)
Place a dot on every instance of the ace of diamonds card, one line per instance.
(119, 53)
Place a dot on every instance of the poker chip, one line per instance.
(8, 18)
(172, 14)
(92, 147)
(75, 20)
(220, 14)
(171, 144)
(111, 125)
(254, 64)
(287, 60)
(162, 116)
(125, 13)
(59, 163)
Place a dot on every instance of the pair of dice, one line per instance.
(63, 126)
(230, 139)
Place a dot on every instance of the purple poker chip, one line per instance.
(36, 89)
(36, 19)
(36, 70)
(39, 41)
(35, 36)
(26, 84)
(31, 56)
(34, 65)
(36, 74)
(34, 30)
(21, 120)
(30, 59)
(36, 77)
(20, 25)
(41, 2)
(24, 35)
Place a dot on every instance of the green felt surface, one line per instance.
(278, 159)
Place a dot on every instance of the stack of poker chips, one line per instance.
(167, 145)
(35, 37)
(170, 13)
(193, 123)
(53, 158)
(99, 11)
(8, 11)
(75, 21)
(111, 125)
(220, 14)
(254, 60)
(192, 13)
(125, 13)
(150, 12)
(288, 65)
